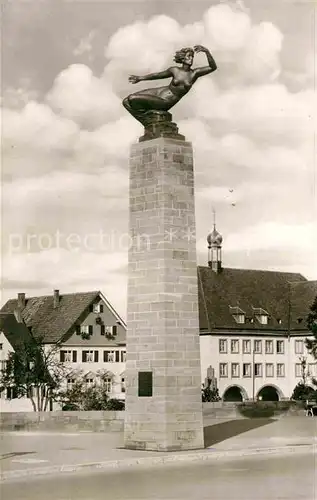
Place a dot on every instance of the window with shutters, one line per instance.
(269, 370)
(235, 370)
(223, 346)
(312, 369)
(107, 383)
(65, 356)
(109, 356)
(298, 370)
(98, 308)
(11, 393)
(246, 346)
(247, 369)
(258, 369)
(269, 347)
(123, 356)
(223, 370)
(88, 356)
(234, 346)
(110, 330)
(90, 382)
(299, 347)
(68, 356)
(70, 383)
(280, 370)
(258, 346)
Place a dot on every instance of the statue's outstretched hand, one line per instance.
(134, 79)
(200, 48)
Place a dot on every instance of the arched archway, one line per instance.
(269, 393)
(234, 393)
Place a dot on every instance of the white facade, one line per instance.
(254, 361)
(93, 361)
(7, 404)
(248, 361)
(96, 346)
(234, 357)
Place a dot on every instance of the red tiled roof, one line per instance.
(301, 299)
(48, 323)
(15, 332)
(249, 289)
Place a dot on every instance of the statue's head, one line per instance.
(184, 56)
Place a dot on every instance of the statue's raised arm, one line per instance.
(161, 99)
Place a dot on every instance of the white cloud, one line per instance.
(264, 112)
(85, 44)
(274, 235)
(111, 181)
(36, 126)
(59, 268)
(228, 29)
(79, 95)
(111, 139)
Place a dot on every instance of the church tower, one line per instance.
(214, 240)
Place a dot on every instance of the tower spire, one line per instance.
(214, 217)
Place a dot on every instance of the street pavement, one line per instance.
(35, 453)
(257, 478)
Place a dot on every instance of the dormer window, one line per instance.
(239, 318)
(261, 315)
(238, 314)
(263, 319)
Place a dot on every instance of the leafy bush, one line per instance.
(82, 398)
(303, 392)
(115, 405)
(263, 409)
(209, 394)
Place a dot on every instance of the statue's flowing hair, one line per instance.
(180, 54)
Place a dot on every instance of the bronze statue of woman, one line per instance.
(163, 98)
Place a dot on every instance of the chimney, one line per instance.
(56, 298)
(21, 301)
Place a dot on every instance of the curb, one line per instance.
(161, 460)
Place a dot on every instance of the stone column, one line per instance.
(163, 377)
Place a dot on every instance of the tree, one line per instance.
(33, 371)
(302, 390)
(79, 397)
(209, 393)
(311, 344)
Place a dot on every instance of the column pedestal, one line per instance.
(163, 377)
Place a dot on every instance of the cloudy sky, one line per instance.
(66, 137)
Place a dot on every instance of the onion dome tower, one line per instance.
(214, 240)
